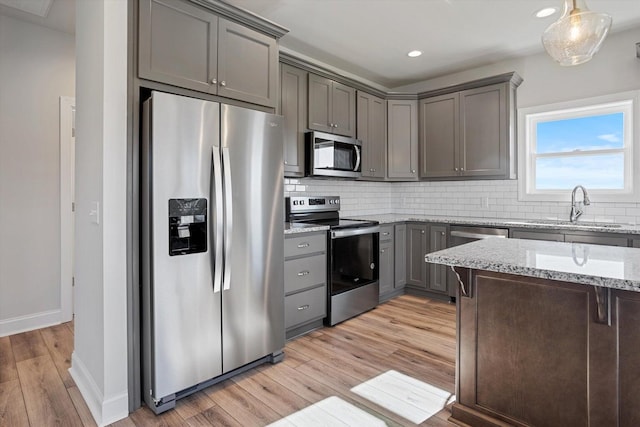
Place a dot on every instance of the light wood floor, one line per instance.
(414, 336)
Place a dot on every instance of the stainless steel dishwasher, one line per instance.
(459, 235)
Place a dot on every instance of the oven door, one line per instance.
(354, 258)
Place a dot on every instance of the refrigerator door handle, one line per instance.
(228, 216)
(217, 198)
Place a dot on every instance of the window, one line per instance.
(588, 142)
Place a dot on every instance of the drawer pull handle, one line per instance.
(386, 233)
(303, 307)
(303, 245)
(304, 273)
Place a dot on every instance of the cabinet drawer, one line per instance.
(386, 232)
(303, 273)
(306, 244)
(305, 306)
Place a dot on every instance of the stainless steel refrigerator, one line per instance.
(212, 244)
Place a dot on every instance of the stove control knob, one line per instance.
(330, 201)
(336, 201)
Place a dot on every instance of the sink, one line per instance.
(559, 223)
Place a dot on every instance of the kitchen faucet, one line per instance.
(576, 209)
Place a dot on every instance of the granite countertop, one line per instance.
(506, 223)
(299, 227)
(606, 266)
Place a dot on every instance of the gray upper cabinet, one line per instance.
(332, 106)
(372, 131)
(439, 136)
(184, 45)
(293, 106)
(247, 64)
(402, 142)
(484, 132)
(470, 133)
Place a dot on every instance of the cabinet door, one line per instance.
(371, 130)
(417, 248)
(178, 44)
(343, 109)
(400, 243)
(319, 103)
(293, 106)
(402, 139)
(484, 132)
(437, 272)
(439, 136)
(386, 267)
(247, 64)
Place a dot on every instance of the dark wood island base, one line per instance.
(538, 352)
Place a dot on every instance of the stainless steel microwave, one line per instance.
(332, 156)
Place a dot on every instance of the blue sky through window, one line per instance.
(584, 136)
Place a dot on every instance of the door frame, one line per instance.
(67, 201)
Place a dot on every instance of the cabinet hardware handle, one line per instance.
(286, 163)
(214, 81)
(303, 273)
(303, 307)
(386, 233)
(413, 171)
(442, 233)
(461, 169)
(456, 169)
(303, 245)
(223, 83)
(421, 231)
(335, 126)
(381, 251)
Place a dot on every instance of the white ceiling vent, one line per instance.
(35, 7)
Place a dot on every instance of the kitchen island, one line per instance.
(547, 333)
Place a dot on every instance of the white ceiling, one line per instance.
(57, 14)
(370, 38)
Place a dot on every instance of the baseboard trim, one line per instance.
(104, 411)
(30, 322)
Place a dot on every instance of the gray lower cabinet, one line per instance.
(417, 248)
(371, 129)
(387, 260)
(469, 133)
(400, 252)
(536, 235)
(402, 140)
(635, 243)
(438, 273)
(185, 45)
(305, 282)
(332, 106)
(293, 106)
(593, 238)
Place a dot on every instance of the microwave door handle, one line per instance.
(357, 158)
(228, 217)
(217, 201)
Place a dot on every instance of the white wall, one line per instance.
(99, 360)
(614, 69)
(37, 66)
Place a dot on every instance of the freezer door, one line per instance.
(253, 290)
(183, 346)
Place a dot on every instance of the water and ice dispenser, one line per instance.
(187, 226)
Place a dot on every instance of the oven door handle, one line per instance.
(348, 232)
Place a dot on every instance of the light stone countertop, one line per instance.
(299, 227)
(605, 266)
(557, 225)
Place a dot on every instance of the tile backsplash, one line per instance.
(490, 199)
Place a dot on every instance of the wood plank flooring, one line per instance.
(411, 335)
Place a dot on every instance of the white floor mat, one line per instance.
(405, 396)
(330, 412)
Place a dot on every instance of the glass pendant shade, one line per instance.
(577, 35)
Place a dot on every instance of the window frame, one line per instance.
(626, 102)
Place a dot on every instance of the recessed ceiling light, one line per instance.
(547, 11)
(414, 53)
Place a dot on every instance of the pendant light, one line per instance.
(577, 35)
